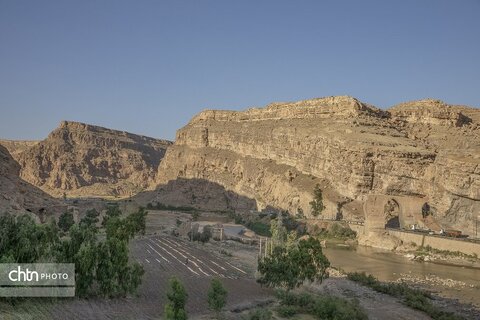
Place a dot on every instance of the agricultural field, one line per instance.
(162, 256)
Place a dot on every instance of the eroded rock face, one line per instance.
(84, 160)
(277, 154)
(16, 195)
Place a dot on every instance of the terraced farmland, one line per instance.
(162, 257)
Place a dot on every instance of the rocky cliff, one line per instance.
(277, 154)
(18, 196)
(84, 160)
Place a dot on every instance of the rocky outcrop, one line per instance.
(277, 154)
(84, 160)
(16, 147)
(17, 196)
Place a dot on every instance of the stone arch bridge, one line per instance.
(387, 211)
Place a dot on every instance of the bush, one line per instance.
(65, 221)
(260, 228)
(177, 298)
(414, 298)
(330, 307)
(217, 296)
(337, 231)
(161, 206)
(260, 314)
(321, 306)
(287, 311)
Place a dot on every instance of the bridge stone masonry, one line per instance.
(401, 212)
(389, 216)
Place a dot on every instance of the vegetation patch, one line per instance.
(428, 250)
(336, 231)
(320, 306)
(260, 228)
(102, 267)
(259, 314)
(161, 206)
(414, 298)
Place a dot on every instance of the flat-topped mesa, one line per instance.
(429, 111)
(335, 106)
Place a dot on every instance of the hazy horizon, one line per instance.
(149, 67)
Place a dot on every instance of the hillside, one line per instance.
(17, 196)
(277, 154)
(85, 160)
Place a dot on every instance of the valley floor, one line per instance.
(164, 256)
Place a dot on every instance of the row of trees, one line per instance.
(177, 298)
(101, 265)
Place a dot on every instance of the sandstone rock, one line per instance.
(18, 196)
(84, 160)
(277, 154)
(379, 240)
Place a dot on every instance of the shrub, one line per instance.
(321, 306)
(317, 203)
(259, 228)
(260, 314)
(330, 307)
(66, 221)
(287, 311)
(414, 298)
(177, 297)
(217, 296)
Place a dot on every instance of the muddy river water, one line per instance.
(460, 283)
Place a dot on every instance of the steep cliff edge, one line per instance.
(85, 160)
(19, 196)
(277, 154)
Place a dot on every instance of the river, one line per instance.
(460, 283)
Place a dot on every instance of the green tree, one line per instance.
(317, 203)
(217, 296)
(177, 298)
(206, 234)
(24, 241)
(85, 260)
(136, 221)
(289, 269)
(113, 211)
(126, 228)
(279, 234)
(66, 220)
(91, 218)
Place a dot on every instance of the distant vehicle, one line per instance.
(453, 233)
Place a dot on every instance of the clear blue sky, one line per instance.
(148, 66)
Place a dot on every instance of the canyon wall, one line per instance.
(78, 159)
(18, 196)
(277, 154)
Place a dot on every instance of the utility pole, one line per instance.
(476, 227)
(260, 249)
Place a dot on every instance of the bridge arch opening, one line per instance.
(392, 214)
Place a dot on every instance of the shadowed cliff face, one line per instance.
(277, 154)
(83, 160)
(17, 195)
(196, 193)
